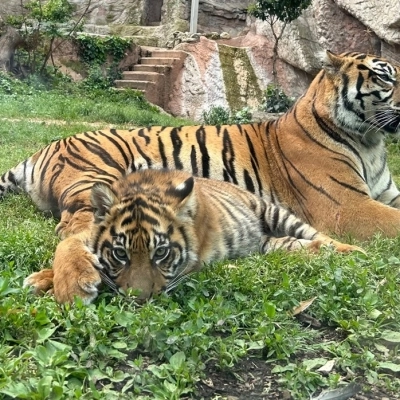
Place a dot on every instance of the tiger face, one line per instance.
(365, 94)
(143, 237)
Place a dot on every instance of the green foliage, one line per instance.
(275, 100)
(230, 313)
(101, 56)
(222, 116)
(283, 10)
(40, 24)
(54, 11)
(96, 49)
(11, 86)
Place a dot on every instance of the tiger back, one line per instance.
(324, 159)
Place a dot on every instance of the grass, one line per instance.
(227, 331)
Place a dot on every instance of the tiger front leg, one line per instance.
(73, 274)
(290, 243)
(73, 223)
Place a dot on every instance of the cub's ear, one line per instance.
(183, 190)
(102, 198)
(332, 62)
(183, 193)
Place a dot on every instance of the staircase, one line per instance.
(154, 75)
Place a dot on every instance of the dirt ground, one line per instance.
(251, 379)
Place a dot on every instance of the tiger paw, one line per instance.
(75, 273)
(315, 245)
(40, 282)
(68, 286)
(347, 248)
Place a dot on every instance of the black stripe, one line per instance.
(193, 161)
(141, 152)
(92, 136)
(144, 136)
(318, 189)
(162, 153)
(293, 228)
(347, 186)
(337, 138)
(205, 158)
(248, 181)
(104, 155)
(177, 145)
(228, 158)
(254, 162)
(128, 147)
(394, 199)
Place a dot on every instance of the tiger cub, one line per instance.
(152, 228)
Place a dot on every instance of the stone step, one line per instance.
(140, 85)
(158, 60)
(161, 69)
(166, 54)
(141, 76)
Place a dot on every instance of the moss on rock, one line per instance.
(240, 80)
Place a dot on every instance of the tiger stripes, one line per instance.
(324, 160)
(153, 228)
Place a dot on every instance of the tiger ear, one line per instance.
(332, 62)
(183, 193)
(102, 198)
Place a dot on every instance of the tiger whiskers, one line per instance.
(108, 281)
(178, 279)
(383, 117)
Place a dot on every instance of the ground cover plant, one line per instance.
(228, 331)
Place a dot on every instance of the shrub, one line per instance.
(275, 100)
(222, 116)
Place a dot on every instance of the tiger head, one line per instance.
(143, 232)
(363, 94)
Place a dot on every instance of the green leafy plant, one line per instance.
(40, 25)
(96, 49)
(273, 11)
(101, 56)
(275, 100)
(229, 328)
(222, 116)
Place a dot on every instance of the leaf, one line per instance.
(374, 314)
(303, 306)
(16, 390)
(171, 387)
(282, 368)
(382, 349)
(119, 345)
(391, 336)
(342, 393)
(124, 318)
(45, 333)
(177, 360)
(327, 367)
(315, 362)
(389, 365)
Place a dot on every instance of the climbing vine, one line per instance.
(95, 50)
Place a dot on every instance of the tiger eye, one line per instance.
(161, 252)
(120, 254)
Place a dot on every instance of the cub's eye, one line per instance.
(161, 253)
(120, 254)
(385, 78)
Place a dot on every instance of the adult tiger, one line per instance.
(324, 160)
(152, 228)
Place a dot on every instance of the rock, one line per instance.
(337, 25)
(225, 35)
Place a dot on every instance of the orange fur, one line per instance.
(197, 222)
(324, 159)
